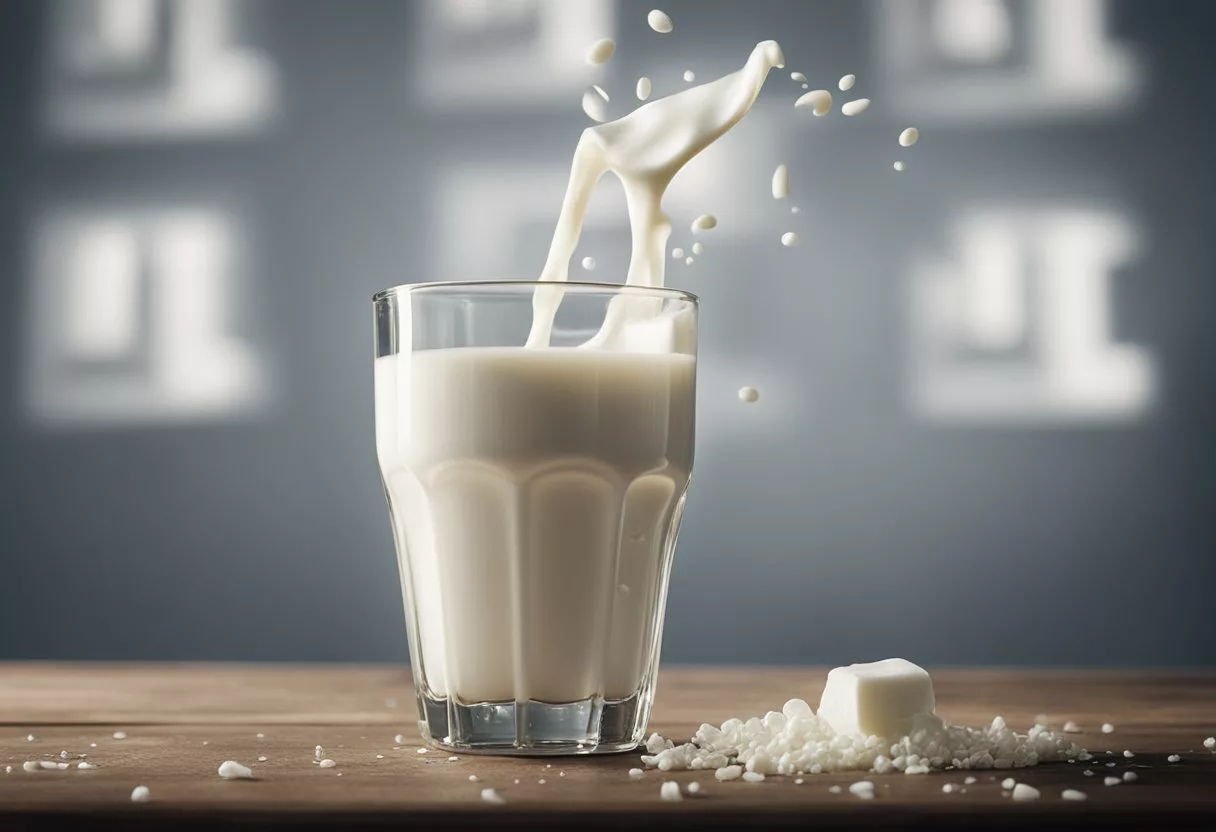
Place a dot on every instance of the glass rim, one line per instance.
(619, 288)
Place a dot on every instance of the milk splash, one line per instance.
(645, 150)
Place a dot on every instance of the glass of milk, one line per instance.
(535, 494)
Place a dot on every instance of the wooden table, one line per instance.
(182, 721)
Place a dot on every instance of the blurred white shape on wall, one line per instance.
(505, 55)
(1014, 327)
(976, 61)
(130, 319)
(154, 69)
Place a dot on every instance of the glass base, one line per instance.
(590, 726)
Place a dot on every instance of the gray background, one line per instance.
(837, 520)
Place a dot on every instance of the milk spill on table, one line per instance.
(645, 150)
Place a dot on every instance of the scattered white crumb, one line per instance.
(1073, 794)
(753, 777)
(318, 752)
(1107, 728)
(262, 759)
(1110, 765)
(636, 774)
(1071, 727)
(83, 766)
(339, 774)
(693, 788)
(1173, 758)
(423, 750)
(863, 789)
(260, 735)
(390, 703)
(517, 781)
(1008, 783)
(949, 787)
(540, 782)
(835, 789)
(63, 755)
(1130, 777)
(8, 769)
(205, 742)
(670, 790)
(1088, 772)
(141, 794)
(1128, 754)
(1111, 781)
(399, 739)
(232, 770)
(379, 756)
(120, 735)
(799, 781)
(472, 778)
(1210, 743)
(492, 796)
(1023, 792)
(327, 763)
(561, 774)
(30, 738)
(967, 781)
(729, 773)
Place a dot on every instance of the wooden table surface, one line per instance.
(182, 720)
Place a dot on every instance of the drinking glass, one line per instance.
(535, 487)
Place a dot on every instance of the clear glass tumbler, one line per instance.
(535, 493)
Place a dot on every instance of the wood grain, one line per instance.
(182, 721)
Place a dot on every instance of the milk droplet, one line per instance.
(781, 182)
(697, 248)
(704, 222)
(909, 137)
(595, 103)
(660, 21)
(794, 209)
(690, 76)
(677, 254)
(855, 107)
(820, 101)
(846, 82)
(900, 166)
(688, 261)
(797, 76)
(643, 89)
(789, 239)
(601, 51)
(749, 395)
(589, 263)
